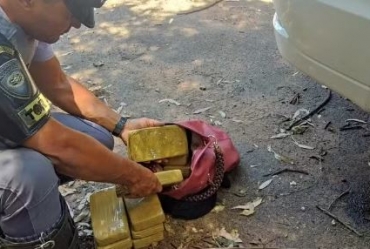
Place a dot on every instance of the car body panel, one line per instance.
(328, 40)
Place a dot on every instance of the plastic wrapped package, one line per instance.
(166, 178)
(171, 177)
(147, 232)
(123, 244)
(156, 143)
(108, 218)
(144, 213)
(145, 242)
(185, 170)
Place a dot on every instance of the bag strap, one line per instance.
(215, 184)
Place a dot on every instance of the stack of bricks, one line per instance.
(146, 220)
(122, 223)
(109, 220)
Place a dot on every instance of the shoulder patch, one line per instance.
(13, 81)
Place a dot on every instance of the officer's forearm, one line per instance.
(78, 100)
(80, 156)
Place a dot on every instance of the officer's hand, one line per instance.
(144, 183)
(135, 124)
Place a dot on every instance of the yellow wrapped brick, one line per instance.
(156, 143)
(185, 170)
(166, 178)
(108, 218)
(144, 213)
(123, 244)
(170, 177)
(146, 242)
(147, 232)
(177, 161)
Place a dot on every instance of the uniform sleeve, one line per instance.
(43, 52)
(23, 109)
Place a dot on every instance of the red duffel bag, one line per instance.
(212, 155)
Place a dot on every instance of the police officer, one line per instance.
(40, 150)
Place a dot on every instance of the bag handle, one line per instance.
(217, 180)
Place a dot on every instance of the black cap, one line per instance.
(83, 10)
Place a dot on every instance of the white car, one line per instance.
(328, 40)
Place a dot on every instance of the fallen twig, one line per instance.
(336, 199)
(340, 221)
(356, 120)
(318, 108)
(318, 158)
(327, 125)
(199, 9)
(354, 127)
(287, 170)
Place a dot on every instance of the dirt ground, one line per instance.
(225, 57)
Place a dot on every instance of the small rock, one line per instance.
(293, 183)
(333, 223)
(98, 64)
(303, 208)
(203, 88)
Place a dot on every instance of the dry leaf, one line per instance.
(265, 184)
(253, 204)
(307, 147)
(83, 224)
(299, 112)
(279, 157)
(82, 204)
(218, 208)
(356, 120)
(281, 135)
(82, 216)
(201, 110)
(293, 183)
(247, 212)
(70, 183)
(172, 101)
(299, 129)
(169, 229)
(87, 232)
(237, 120)
(222, 114)
(232, 237)
(66, 191)
(120, 108)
